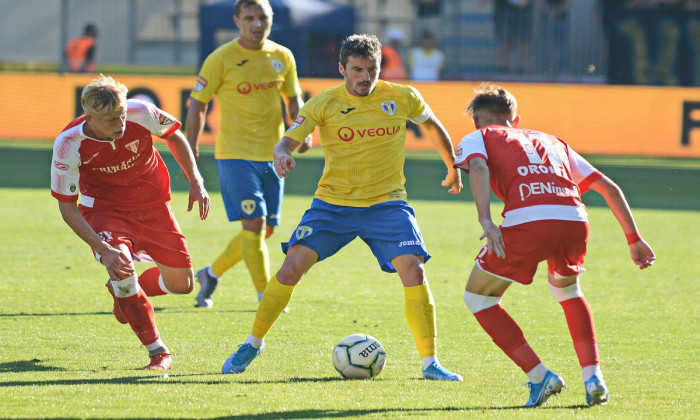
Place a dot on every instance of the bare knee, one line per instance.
(179, 281)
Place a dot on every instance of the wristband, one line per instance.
(632, 238)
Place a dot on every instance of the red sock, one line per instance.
(139, 312)
(508, 336)
(580, 320)
(149, 282)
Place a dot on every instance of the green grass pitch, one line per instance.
(63, 355)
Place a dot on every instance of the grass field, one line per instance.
(63, 355)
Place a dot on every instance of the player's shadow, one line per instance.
(27, 366)
(54, 314)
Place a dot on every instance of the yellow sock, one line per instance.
(231, 255)
(273, 302)
(420, 315)
(256, 258)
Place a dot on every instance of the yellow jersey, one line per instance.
(363, 140)
(248, 85)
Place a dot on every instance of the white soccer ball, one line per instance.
(359, 356)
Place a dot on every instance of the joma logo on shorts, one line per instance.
(409, 243)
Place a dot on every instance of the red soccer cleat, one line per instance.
(116, 310)
(161, 361)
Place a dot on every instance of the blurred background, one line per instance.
(570, 41)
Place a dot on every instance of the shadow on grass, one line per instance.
(165, 310)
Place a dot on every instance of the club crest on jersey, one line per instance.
(389, 107)
(133, 146)
(248, 206)
(200, 84)
(165, 120)
(277, 65)
(303, 231)
(300, 119)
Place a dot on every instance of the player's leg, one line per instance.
(483, 298)
(322, 231)
(420, 315)
(138, 312)
(275, 299)
(579, 319)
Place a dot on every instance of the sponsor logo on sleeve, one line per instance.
(389, 107)
(459, 152)
(60, 165)
(165, 120)
(300, 120)
(200, 84)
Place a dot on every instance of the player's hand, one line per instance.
(269, 230)
(494, 239)
(642, 254)
(284, 164)
(117, 263)
(199, 194)
(453, 180)
(306, 144)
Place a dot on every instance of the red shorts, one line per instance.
(151, 234)
(561, 243)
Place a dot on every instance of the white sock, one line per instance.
(211, 273)
(427, 361)
(536, 375)
(163, 287)
(157, 347)
(254, 341)
(589, 371)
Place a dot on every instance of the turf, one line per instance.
(63, 355)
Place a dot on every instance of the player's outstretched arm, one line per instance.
(177, 143)
(640, 251)
(443, 144)
(481, 190)
(284, 162)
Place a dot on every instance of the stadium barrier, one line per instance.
(594, 119)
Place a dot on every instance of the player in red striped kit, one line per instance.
(540, 179)
(107, 159)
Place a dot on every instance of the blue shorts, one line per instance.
(390, 229)
(250, 190)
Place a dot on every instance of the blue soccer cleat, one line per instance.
(238, 362)
(540, 392)
(438, 373)
(596, 391)
(208, 285)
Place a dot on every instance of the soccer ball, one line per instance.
(359, 356)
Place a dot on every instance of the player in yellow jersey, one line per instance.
(248, 75)
(361, 193)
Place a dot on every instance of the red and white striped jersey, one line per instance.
(126, 173)
(537, 176)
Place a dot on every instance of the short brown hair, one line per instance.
(360, 46)
(103, 92)
(493, 99)
(240, 4)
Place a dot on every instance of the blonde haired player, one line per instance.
(361, 193)
(106, 159)
(540, 179)
(248, 76)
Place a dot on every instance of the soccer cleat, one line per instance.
(116, 310)
(208, 285)
(161, 361)
(596, 391)
(439, 373)
(540, 392)
(238, 362)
